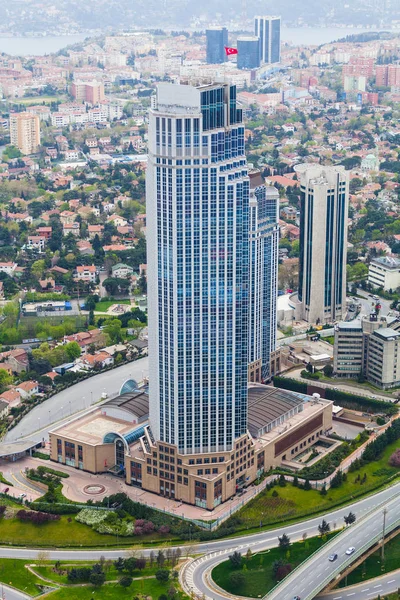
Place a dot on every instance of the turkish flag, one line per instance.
(230, 51)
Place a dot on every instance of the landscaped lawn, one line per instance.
(371, 567)
(63, 534)
(111, 575)
(294, 503)
(259, 578)
(104, 305)
(14, 573)
(113, 591)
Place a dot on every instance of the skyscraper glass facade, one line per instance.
(263, 270)
(197, 207)
(217, 39)
(248, 52)
(268, 30)
(323, 240)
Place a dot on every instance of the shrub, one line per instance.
(36, 517)
(237, 578)
(2, 510)
(90, 516)
(162, 575)
(125, 581)
(394, 460)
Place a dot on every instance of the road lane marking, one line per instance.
(352, 594)
(391, 581)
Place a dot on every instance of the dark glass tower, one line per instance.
(248, 56)
(217, 39)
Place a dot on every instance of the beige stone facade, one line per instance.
(92, 443)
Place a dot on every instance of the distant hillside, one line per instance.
(26, 16)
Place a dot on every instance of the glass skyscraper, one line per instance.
(198, 268)
(324, 198)
(264, 242)
(248, 52)
(268, 30)
(217, 39)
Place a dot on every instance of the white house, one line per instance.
(122, 271)
(27, 389)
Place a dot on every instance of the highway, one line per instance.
(60, 407)
(387, 584)
(316, 572)
(196, 575)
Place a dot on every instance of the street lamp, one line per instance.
(383, 533)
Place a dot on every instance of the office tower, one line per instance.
(323, 242)
(197, 236)
(248, 56)
(268, 30)
(263, 271)
(25, 132)
(217, 39)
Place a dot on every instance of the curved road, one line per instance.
(36, 424)
(197, 573)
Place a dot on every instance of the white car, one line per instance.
(350, 550)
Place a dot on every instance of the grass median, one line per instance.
(259, 573)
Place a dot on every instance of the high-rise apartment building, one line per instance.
(90, 92)
(248, 52)
(263, 274)
(25, 132)
(268, 30)
(388, 75)
(323, 242)
(197, 235)
(217, 39)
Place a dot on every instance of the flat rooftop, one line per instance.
(92, 427)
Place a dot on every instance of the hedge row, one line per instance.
(345, 399)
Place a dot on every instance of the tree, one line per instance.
(162, 575)
(284, 541)
(38, 268)
(125, 581)
(324, 528)
(97, 579)
(328, 370)
(5, 378)
(113, 329)
(350, 518)
(237, 579)
(119, 564)
(236, 559)
(130, 564)
(72, 350)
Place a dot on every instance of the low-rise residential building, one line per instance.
(384, 272)
(4, 409)
(8, 267)
(36, 242)
(99, 360)
(121, 271)
(27, 389)
(86, 273)
(12, 397)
